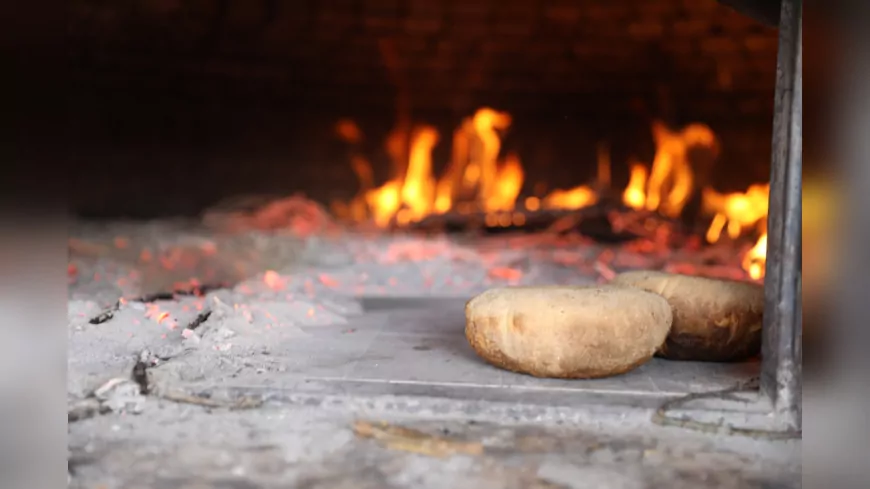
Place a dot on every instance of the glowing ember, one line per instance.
(506, 274)
(328, 281)
(273, 280)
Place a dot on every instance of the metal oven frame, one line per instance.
(771, 407)
(781, 368)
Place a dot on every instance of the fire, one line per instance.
(475, 174)
(738, 213)
(671, 178)
(582, 195)
(506, 187)
(634, 195)
(755, 258)
(384, 202)
(406, 199)
(418, 188)
(668, 185)
(576, 198)
(478, 179)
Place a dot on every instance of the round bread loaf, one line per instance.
(714, 320)
(567, 332)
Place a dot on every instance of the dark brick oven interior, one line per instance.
(179, 104)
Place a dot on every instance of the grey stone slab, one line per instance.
(322, 357)
(417, 347)
(374, 304)
(417, 316)
(656, 376)
(435, 358)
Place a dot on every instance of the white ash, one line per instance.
(80, 312)
(121, 395)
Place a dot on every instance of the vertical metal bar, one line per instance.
(782, 333)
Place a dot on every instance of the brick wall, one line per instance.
(194, 87)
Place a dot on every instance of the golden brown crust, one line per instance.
(567, 332)
(714, 320)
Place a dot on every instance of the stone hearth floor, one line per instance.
(259, 384)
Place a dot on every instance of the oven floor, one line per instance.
(259, 385)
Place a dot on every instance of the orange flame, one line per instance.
(671, 179)
(755, 258)
(575, 198)
(474, 174)
(737, 213)
(669, 184)
(384, 202)
(486, 124)
(634, 195)
(418, 189)
(507, 184)
(582, 195)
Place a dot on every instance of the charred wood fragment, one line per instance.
(109, 313)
